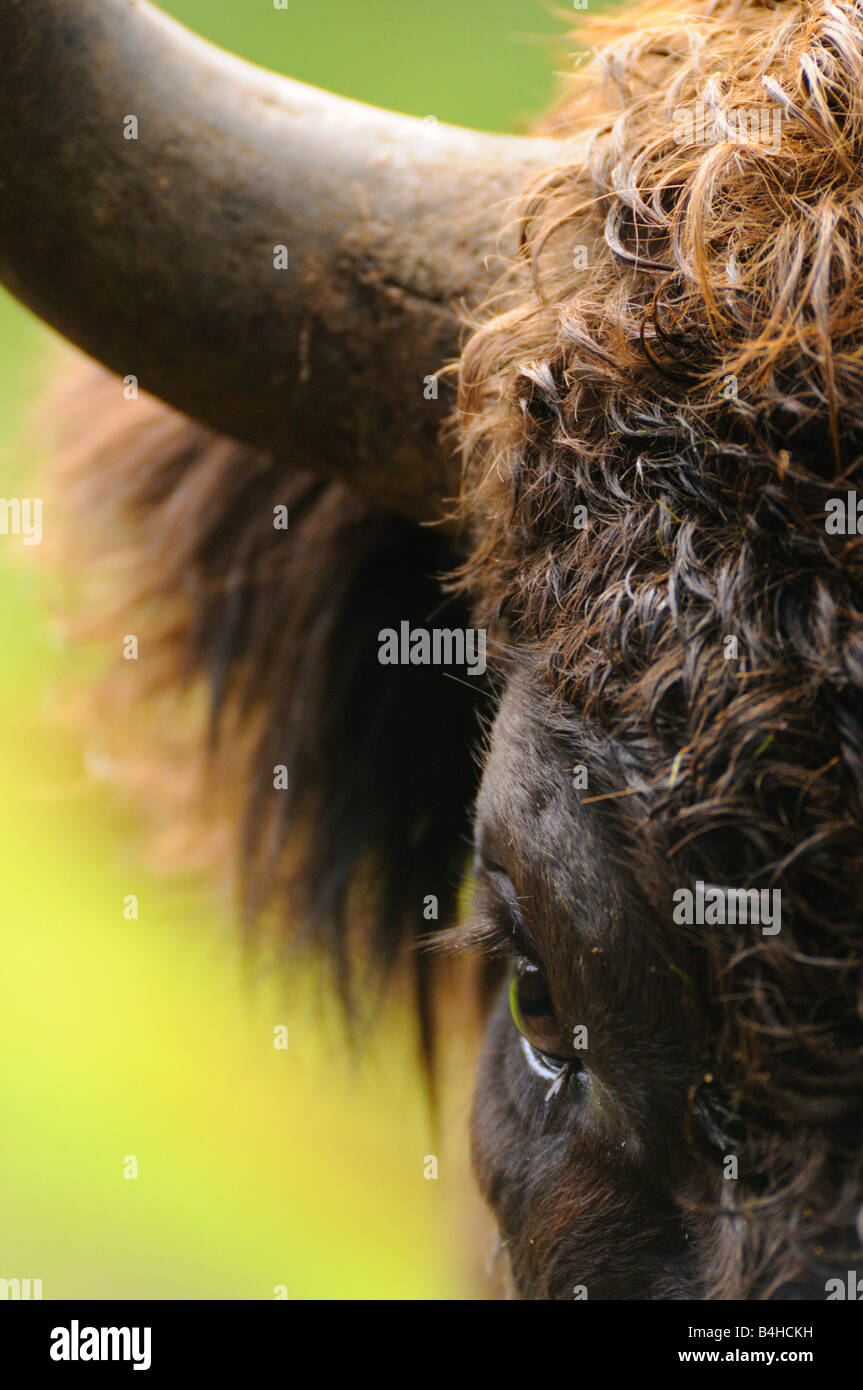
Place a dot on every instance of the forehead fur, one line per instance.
(529, 819)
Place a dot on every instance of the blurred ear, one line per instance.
(268, 589)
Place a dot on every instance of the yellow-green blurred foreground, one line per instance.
(258, 1168)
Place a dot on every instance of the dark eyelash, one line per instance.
(519, 928)
(483, 933)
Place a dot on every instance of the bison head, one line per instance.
(656, 404)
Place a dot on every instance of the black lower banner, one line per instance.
(219, 1339)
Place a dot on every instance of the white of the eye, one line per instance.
(535, 1062)
(556, 1075)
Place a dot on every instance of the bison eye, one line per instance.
(534, 1015)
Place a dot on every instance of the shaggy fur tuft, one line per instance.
(273, 635)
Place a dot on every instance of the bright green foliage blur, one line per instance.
(257, 1167)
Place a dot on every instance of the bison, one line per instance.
(585, 409)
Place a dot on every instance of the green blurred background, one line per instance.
(258, 1168)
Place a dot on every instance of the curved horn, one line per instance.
(157, 254)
